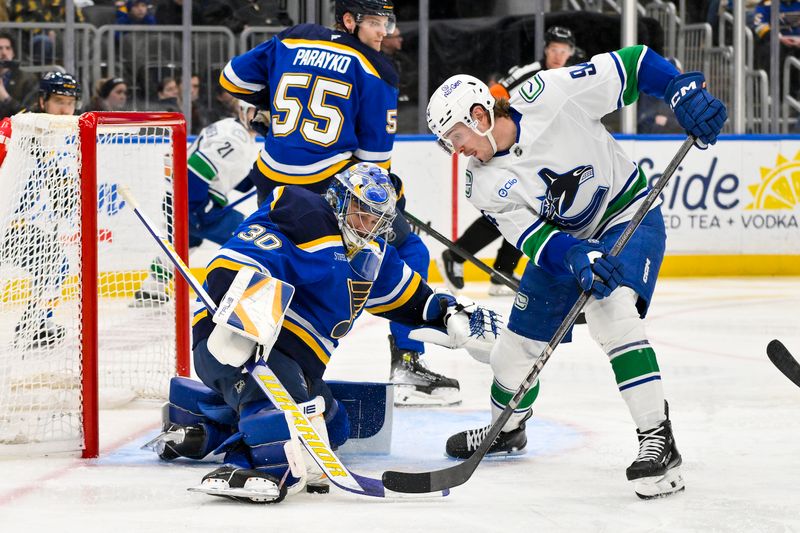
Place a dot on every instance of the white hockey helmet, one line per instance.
(452, 103)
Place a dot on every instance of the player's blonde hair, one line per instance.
(502, 108)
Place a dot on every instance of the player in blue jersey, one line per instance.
(332, 98)
(331, 249)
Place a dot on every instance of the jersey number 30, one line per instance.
(327, 126)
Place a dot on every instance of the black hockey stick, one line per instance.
(509, 282)
(417, 482)
(781, 358)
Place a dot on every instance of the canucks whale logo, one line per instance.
(571, 201)
(779, 187)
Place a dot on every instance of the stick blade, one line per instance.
(783, 360)
(436, 481)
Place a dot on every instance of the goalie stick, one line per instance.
(781, 358)
(326, 459)
(418, 482)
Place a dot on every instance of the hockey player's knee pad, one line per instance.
(512, 357)
(200, 414)
(614, 321)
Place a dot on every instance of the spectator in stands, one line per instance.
(3, 11)
(169, 95)
(654, 114)
(789, 31)
(261, 13)
(43, 43)
(110, 94)
(15, 85)
(135, 12)
(204, 13)
(224, 105)
(392, 46)
(200, 114)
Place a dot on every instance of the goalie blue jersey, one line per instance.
(294, 237)
(330, 97)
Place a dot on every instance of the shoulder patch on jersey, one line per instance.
(532, 89)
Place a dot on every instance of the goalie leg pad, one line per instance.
(195, 421)
(615, 325)
(369, 410)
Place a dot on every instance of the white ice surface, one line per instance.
(736, 421)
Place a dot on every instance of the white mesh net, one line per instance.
(40, 277)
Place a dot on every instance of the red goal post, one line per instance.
(89, 124)
(64, 223)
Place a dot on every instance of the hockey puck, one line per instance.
(318, 489)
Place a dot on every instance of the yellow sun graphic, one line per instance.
(779, 187)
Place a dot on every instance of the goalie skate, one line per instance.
(242, 485)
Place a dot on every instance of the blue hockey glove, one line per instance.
(698, 112)
(593, 268)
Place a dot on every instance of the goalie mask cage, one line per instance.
(73, 335)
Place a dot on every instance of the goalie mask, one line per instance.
(452, 103)
(364, 201)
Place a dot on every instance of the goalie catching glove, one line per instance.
(467, 325)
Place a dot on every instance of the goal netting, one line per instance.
(77, 330)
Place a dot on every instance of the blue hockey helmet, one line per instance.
(364, 202)
(59, 83)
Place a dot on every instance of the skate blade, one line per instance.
(259, 496)
(648, 488)
(408, 396)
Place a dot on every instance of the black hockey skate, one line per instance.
(242, 485)
(46, 334)
(142, 298)
(415, 384)
(462, 445)
(452, 271)
(656, 470)
(179, 441)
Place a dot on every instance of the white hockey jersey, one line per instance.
(565, 173)
(222, 156)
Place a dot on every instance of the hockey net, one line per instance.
(73, 334)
